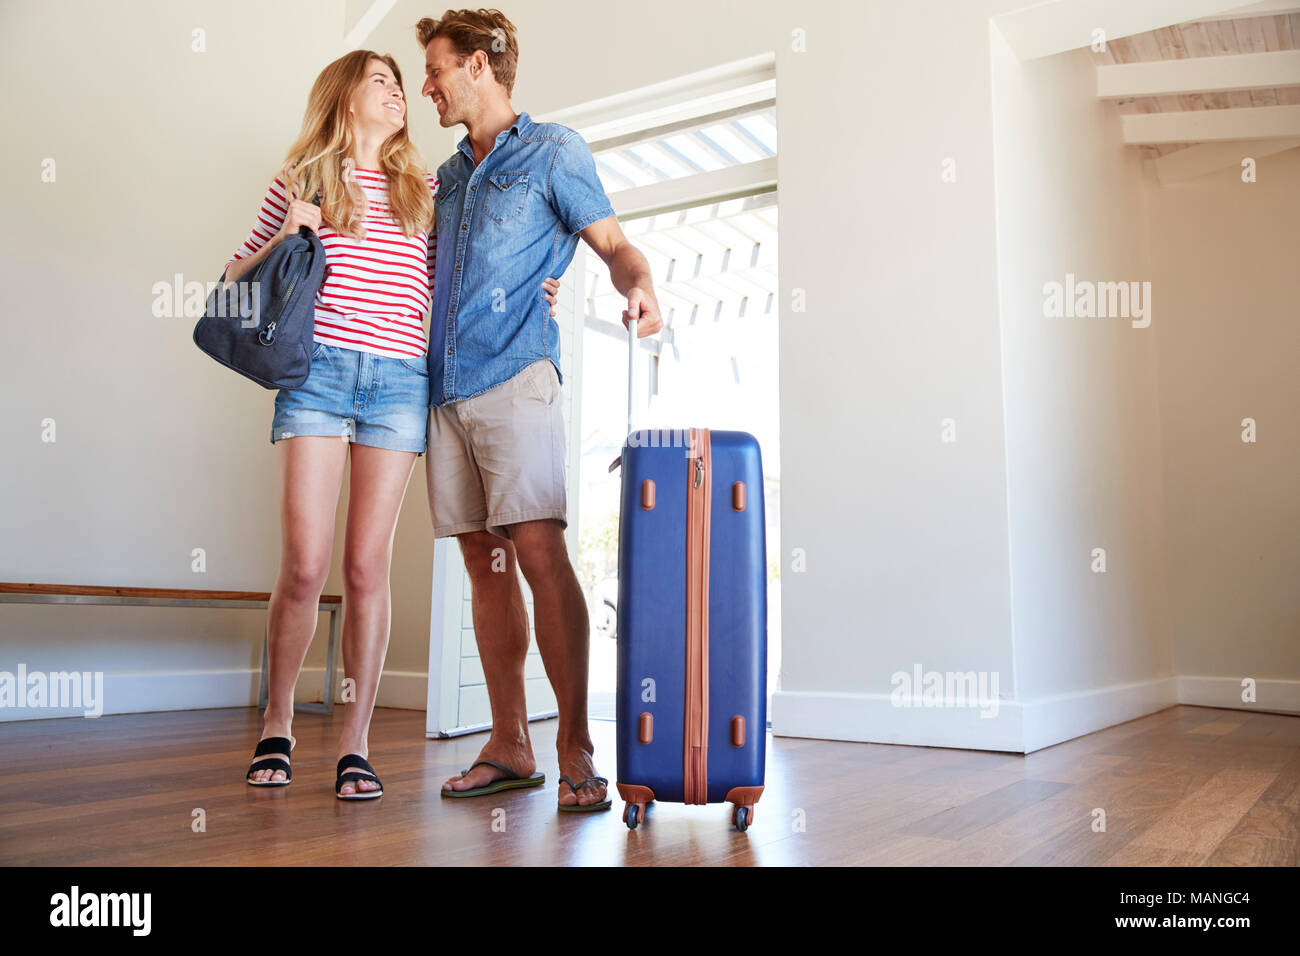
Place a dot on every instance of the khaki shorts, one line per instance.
(498, 458)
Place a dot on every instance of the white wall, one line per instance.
(161, 157)
(1227, 254)
(1081, 395)
(909, 549)
(906, 548)
(1129, 438)
(905, 537)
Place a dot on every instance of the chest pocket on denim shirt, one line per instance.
(446, 193)
(504, 197)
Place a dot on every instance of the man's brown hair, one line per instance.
(470, 30)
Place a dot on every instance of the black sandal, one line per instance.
(578, 807)
(363, 771)
(271, 745)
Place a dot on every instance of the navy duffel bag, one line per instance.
(262, 325)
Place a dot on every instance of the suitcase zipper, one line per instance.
(695, 756)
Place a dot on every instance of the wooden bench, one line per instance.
(331, 604)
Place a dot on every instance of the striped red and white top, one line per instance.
(377, 294)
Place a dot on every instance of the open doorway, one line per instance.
(699, 200)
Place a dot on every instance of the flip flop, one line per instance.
(271, 745)
(357, 770)
(513, 782)
(578, 807)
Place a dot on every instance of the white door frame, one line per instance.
(457, 697)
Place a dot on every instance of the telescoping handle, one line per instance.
(631, 374)
(631, 386)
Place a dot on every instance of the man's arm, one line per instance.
(629, 271)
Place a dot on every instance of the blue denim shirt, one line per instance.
(503, 226)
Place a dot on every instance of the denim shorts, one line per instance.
(359, 396)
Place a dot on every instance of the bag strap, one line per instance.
(303, 230)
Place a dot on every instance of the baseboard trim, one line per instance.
(1018, 726)
(873, 718)
(1271, 696)
(207, 690)
(1054, 720)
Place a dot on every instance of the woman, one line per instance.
(368, 385)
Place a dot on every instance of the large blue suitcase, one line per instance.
(692, 622)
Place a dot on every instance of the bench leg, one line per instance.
(327, 707)
(262, 696)
(330, 650)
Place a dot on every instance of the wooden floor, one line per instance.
(1185, 787)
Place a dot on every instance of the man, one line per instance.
(512, 202)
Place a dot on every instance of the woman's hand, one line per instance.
(300, 214)
(550, 288)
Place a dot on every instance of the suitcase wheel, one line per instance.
(740, 817)
(632, 815)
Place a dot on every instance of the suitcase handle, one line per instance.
(631, 371)
(631, 386)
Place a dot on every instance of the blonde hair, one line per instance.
(470, 30)
(319, 161)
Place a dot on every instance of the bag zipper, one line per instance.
(267, 335)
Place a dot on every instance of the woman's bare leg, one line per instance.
(311, 474)
(378, 485)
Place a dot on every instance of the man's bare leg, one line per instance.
(563, 637)
(501, 627)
